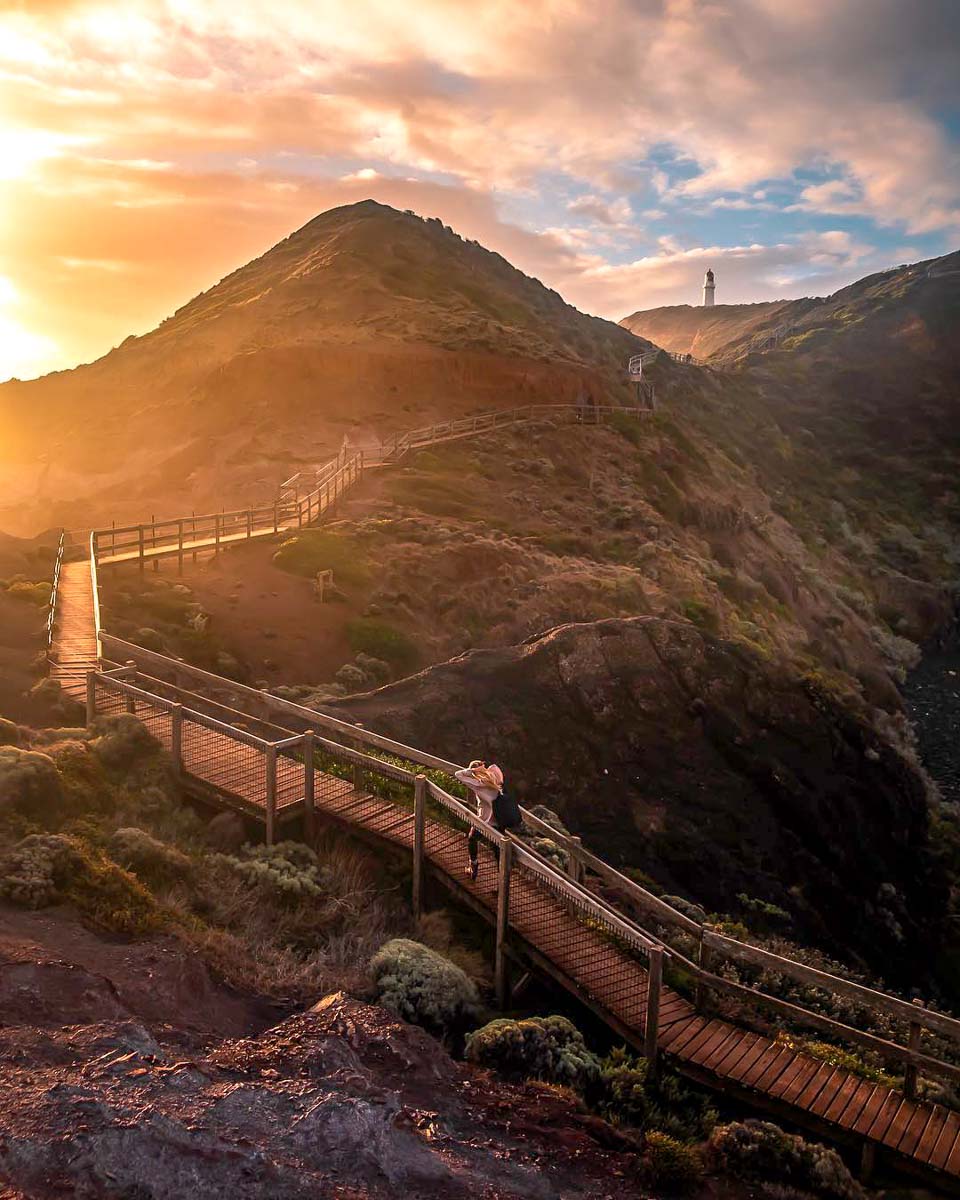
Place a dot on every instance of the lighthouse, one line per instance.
(708, 289)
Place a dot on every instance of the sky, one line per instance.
(612, 148)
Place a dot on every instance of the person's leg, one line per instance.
(473, 842)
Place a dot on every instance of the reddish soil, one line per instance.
(126, 1071)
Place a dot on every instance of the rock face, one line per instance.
(700, 762)
(341, 1101)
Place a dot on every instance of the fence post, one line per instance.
(249, 524)
(501, 981)
(140, 539)
(180, 547)
(276, 516)
(419, 824)
(309, 812)
(651, 1024)
(703, 961)
(270, 774)
(91, 697)
(574, 866)
(129, 704)
(357, 777)
(216, 533)
(176, 738)
(910, 1073)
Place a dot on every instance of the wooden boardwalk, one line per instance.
(73, 650)
(585, 959)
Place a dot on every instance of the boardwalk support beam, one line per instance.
(176, 738)
(91, 697)
(651, 1023)
(501, 981)
(419, 824)
(309, 803)
(270, 773)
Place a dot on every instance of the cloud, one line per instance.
(617, 213)
(181, 138)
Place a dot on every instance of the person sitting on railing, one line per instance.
(493, 806)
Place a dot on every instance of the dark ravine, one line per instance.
(705, 765)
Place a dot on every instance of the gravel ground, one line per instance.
(932, 695)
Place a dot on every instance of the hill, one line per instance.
(365, 321)
(684, 329)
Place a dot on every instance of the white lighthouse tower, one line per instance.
(708, 289)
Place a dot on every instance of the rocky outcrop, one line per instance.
(342, 1101)
(703, 763)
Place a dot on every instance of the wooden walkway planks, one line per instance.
(73, 651)
(599, 969)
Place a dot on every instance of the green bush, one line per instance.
(313, 550)
(29, 871)
(121, 740)
(367, 635)
(287, 873)
(44, 868)
(423, 987)
(32, 593)
(669, 1164)
(148, 858)
(548, 1048)
(757, 1150)
(28, 781)
(149, 639)
(627, 1096)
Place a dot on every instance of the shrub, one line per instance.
(669, 1164)
(43, 868)
(367, 635)
(9, 734)
(376, 670)
(423, 987)
(149, 639)
(28, 780)
(287, 873)
(152, 860)
(32, 593)
(548, 1048)
(28, 871)
(625, 1095)
(550, 850)
(757, 1150)
(350, 677)
(549, 817)
(314, 550)
(122, 740)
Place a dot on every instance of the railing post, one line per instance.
(651, 1024)
(216, 533)
(249, 524)
(501, 982)
(176, 738)
(419, 825)
(574, 866)
(703, 961)
(140, 547)
(180, 547)
(91, 698)
(910, 1073)
(270, 775)
(309, 810)
(276, 516)
(129, 704)
(357, 777)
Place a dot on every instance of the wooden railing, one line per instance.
(708, 952)
(52, 614)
